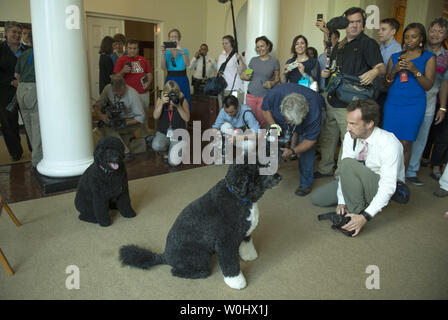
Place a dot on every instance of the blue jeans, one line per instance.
(306, 166)
(419, 146)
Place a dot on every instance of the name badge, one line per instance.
(169, 133)
(403, 76)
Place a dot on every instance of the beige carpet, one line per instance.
(299, 257)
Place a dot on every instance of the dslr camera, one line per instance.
(174, 97)
(338, 221)
(113, 113)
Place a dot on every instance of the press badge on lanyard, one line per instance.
(403, 76)
(169, 132)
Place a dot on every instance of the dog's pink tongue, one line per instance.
(114, 165)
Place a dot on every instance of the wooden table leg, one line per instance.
(3, 204)
(5, 263)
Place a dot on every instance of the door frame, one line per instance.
(158, 73)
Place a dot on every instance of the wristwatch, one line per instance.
(418, 74)
(293, 152)
(366, 215)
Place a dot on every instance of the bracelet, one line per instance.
(442, 109)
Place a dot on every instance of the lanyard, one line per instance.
(170, 115)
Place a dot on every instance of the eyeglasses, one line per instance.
(173, 62)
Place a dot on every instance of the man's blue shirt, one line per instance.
(310, 126)
(237, 121)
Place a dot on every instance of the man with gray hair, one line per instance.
(120, 111)
(297, 110)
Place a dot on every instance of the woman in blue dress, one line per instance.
(410, 74)
(176, 61)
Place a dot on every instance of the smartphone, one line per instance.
(249, 71)
(170, 44)
(320, 16)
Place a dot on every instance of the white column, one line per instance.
(62, 86)
(262, 20)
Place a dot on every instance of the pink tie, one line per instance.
(362, 156)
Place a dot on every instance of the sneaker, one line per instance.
(302, 191)
(415, 181)
(441, 193)
(318, 175)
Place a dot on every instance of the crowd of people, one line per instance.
(384, 138)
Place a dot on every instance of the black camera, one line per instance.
(338, 221)
(286, 136)
(113, 113)
(174, 97)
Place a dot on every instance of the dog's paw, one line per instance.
(238, 282)
(247, 251)
(104, 223)
(129, 214)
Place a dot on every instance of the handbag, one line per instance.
(348, 88)
(216, 85)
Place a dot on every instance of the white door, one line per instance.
(97, 29)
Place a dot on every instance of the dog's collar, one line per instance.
(104, 169)
(244, 200)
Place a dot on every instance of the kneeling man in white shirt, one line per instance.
(371, 165)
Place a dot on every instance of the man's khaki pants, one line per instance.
(334, 128)
(27, 99)
(359, 186)
(144, 98)
(124, 134)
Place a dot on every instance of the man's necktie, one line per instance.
(362, 155)
(203, 67)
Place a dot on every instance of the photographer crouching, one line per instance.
(173, 113)
(121, 113)
(240, 118)
(297, 111)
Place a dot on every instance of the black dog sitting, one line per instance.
(104, 185)
(221, 222)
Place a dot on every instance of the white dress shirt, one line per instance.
(385, 158)
(210, 67)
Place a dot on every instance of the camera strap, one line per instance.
(224, 65)
(170, 115)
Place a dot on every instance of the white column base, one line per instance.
(63, 168)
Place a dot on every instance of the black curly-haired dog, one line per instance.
(221, 222)
(104, 185)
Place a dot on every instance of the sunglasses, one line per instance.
(173, 62)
